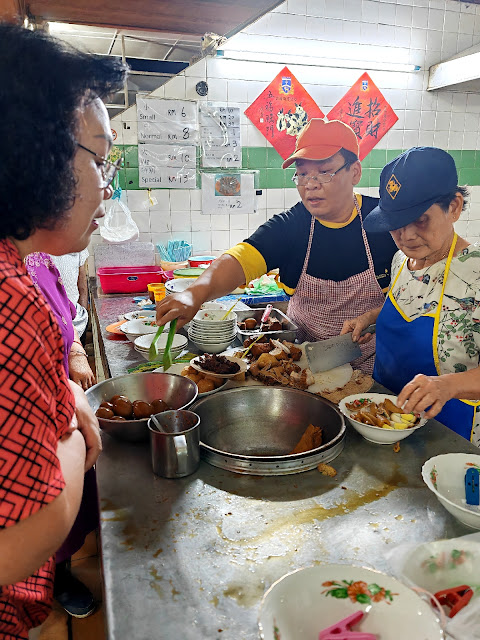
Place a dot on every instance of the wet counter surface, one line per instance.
(191, 558)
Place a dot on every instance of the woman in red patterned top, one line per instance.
(54, 177)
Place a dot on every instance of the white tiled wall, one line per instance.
(422, 32)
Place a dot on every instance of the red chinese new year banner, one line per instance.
(365, 109)
(282, 110)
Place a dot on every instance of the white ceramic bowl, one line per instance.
(379, 435)
(443, 564)
(135, 315)
(212, 347)
(212, 334)
(139, 327)
(303, 603)
(142, 345)
(214, 316)
(445, 476)
(177, 285)
(214, 306)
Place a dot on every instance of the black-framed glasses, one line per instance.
(108, 169)
(322, 178)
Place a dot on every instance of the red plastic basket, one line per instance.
(129, 279)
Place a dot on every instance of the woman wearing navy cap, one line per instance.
(428, 329)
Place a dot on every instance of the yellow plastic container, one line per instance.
(156, 291)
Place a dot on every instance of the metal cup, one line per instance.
(175, 449)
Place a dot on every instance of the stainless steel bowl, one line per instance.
(252, 429)
(177, 391)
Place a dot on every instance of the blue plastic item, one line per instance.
(472, 493)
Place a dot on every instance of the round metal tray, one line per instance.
(250, 430)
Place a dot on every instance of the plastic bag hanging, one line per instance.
(118, 224)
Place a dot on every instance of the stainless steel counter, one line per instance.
(191, 558)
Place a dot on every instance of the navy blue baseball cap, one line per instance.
(409, 185)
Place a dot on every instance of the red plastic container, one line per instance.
(198, 261)
(129, 279)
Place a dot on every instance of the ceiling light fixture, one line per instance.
(279, 58)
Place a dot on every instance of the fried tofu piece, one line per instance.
(311, 439)
(327, 470)
(267, 360)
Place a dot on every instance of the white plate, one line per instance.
(177, 368)
(241, 363)
(303, 603)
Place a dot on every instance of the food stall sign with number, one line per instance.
(167, 121)
(282, 110)
(365, 109)
(220, 135)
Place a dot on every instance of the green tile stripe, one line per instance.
(268, 163)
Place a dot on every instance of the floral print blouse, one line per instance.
(418, 292)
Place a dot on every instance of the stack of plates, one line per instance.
(142, 345)
(210, 333)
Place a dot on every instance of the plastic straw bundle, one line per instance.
(175, 251)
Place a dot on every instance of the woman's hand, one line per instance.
(426, 391)
(355, 326)
(87, 425)
(79, 369)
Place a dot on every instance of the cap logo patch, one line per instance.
(393, 187)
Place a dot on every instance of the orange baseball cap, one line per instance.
(320, 139)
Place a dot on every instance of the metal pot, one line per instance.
(177, 391)
(251, 430)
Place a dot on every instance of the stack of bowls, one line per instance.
(142, 345)
(210, 333)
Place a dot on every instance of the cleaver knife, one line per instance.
(328, 354)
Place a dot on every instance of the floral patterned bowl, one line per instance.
(443, 564)
(445, 476)
(302, 603)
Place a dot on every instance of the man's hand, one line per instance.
(87, 425)
(355, 326)
(182, 306)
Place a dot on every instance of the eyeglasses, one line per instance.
(322, 177)
(108, 169)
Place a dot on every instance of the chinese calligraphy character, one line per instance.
(373, 109)
(356, 126)
(372, 129)
(355, 108)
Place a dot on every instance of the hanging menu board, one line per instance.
(228, 193)
(167, 166)
(167, 135)
(220, 136)
(167, 121)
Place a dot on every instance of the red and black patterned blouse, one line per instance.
(36, 407)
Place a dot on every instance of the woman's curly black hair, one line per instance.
(42, 84)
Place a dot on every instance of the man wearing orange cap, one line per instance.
(327, 263)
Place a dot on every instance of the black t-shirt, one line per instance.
(336, 253)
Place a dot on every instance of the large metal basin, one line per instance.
(177, 391)
(252, 429)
